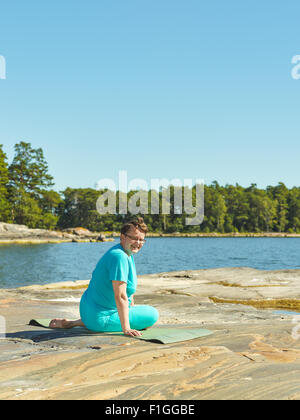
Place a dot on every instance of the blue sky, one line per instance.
(160, 88)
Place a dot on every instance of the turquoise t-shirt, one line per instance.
(115, 264)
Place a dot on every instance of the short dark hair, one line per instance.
(137, 222)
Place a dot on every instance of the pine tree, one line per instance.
(28, 180)
(29, 170)
(5, 212)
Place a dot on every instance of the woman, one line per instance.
(108, 305)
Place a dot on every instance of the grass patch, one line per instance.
(292, 304)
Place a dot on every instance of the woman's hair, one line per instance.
(137, 222)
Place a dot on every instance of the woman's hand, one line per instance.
(122, 306)
(132, 333)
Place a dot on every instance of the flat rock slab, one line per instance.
(253, 354)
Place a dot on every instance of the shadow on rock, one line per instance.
(42, 335)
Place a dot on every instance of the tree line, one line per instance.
(27, 197)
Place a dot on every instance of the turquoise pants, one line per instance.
(99, 320)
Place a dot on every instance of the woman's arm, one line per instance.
(122, 306)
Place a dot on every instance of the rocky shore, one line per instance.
(253, 353)
(21, 234)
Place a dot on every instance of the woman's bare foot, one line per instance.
(65, 323)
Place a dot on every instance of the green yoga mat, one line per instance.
(163, 335)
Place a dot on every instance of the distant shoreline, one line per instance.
(110, 237)
(21, 234)
(227, 235)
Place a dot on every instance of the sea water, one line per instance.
(22, 265)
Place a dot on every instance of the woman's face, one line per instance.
(133, 240)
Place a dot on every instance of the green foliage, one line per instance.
(26, 198)
(78, 208)
(226, 209)
(5, 210)
(26, 210)
(29, 170)
(31, 202)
